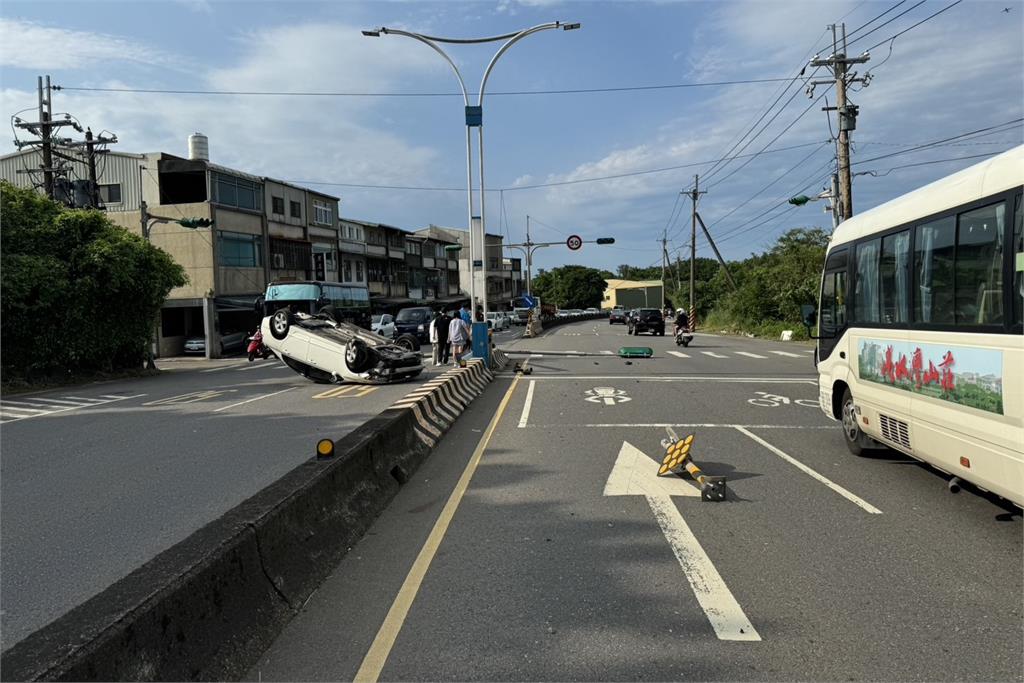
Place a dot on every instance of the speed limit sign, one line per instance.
(574, 242)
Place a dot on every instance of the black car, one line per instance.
(618, 315)
(414, 321)
(647, 320)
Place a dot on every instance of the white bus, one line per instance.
(920, 343)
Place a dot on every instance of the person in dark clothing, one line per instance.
(443, 321)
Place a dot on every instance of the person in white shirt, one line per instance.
(435, 338)
(458, 335)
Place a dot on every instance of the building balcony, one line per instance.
(376, 250)
(347, 247)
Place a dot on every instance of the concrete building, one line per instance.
(504, 276)
(632, 294)
(352, 252)
(262, 229)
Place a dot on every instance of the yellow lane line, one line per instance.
(377, 656)
(366, 391)
(337, 391)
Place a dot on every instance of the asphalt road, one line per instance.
(819, 565)
(96, 480)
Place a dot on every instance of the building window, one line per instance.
(237, 192)
(359, 271)
(353, 233)
(322, 213)
(414, 248)
(110, 194)
(396, 240)
(346, 270)
(277, 205)
(296, 208)
(377, 270)
(239, 249)
(375, 238)
(329, 261)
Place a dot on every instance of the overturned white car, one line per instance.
(320, 349)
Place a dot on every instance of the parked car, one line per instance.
(564, 313)
(618, 315)
(591, 310)
(414, 322)
(497, 320)
(384, 325)
(648, 320)
(233, 341)
(325, 351)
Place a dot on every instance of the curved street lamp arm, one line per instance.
(426, 40)
(464, 41)
(515, 38)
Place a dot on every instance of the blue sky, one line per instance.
(957, 72)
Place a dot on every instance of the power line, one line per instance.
(894, 37)
(297, 93)
(536, 185)
(880, 174)
(873, 20)
(882, 25)
(937, 143)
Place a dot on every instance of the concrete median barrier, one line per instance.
(207, 607)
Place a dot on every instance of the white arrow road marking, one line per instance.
(787, 353)
(750, 355)
(713, 354)
(635, 473)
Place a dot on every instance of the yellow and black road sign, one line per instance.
(347, 391)
(675, 454)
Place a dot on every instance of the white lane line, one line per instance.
(787, 353)
(251, 366)
(223, 367)
(750, 355)
(90, 401)
(526, 406)
(724, 613)
(10, 406)
(608, 353)
(856, 500)
(713, 354)
(808, 350)
(675, 378)
(63, 403)
(679, 354)
(257, 398)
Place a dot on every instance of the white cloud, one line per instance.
(30, 45)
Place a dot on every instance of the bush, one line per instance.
(80, 294)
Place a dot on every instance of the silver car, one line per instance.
(325, 351)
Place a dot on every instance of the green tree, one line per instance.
(80, 294)
(571, 286)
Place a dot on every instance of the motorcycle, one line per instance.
(257, 347)
(683, 336)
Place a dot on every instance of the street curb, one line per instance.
(209, 606)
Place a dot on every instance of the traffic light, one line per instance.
(606, 240)
(193, 223)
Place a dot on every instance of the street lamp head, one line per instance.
(570, 27)
(373, 33)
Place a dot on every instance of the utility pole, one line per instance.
(839, 64)
(695, 194)
(529, 259)
(45, 112)
(664, 264)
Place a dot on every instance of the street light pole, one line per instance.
(474, 119)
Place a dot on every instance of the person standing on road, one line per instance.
(435, 337)
(458, 334)
(443, 322)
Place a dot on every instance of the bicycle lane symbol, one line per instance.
(766, 400)
(607, 395)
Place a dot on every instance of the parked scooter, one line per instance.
(257, 347)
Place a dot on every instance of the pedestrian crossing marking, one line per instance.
(191, 397)
(713, 354)
(23, 409)
(786, 353)
(347, 391)
(680, 354)
(750, 355)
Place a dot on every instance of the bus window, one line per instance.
(895, 269)
(933, 264)
(979, 265)
(833, 304)
(865, 305)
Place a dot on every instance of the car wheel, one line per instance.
(327, 313)
(279, 323)
(409, 342)
(357, 356)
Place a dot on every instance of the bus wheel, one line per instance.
(279, 323)
(856, 441)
